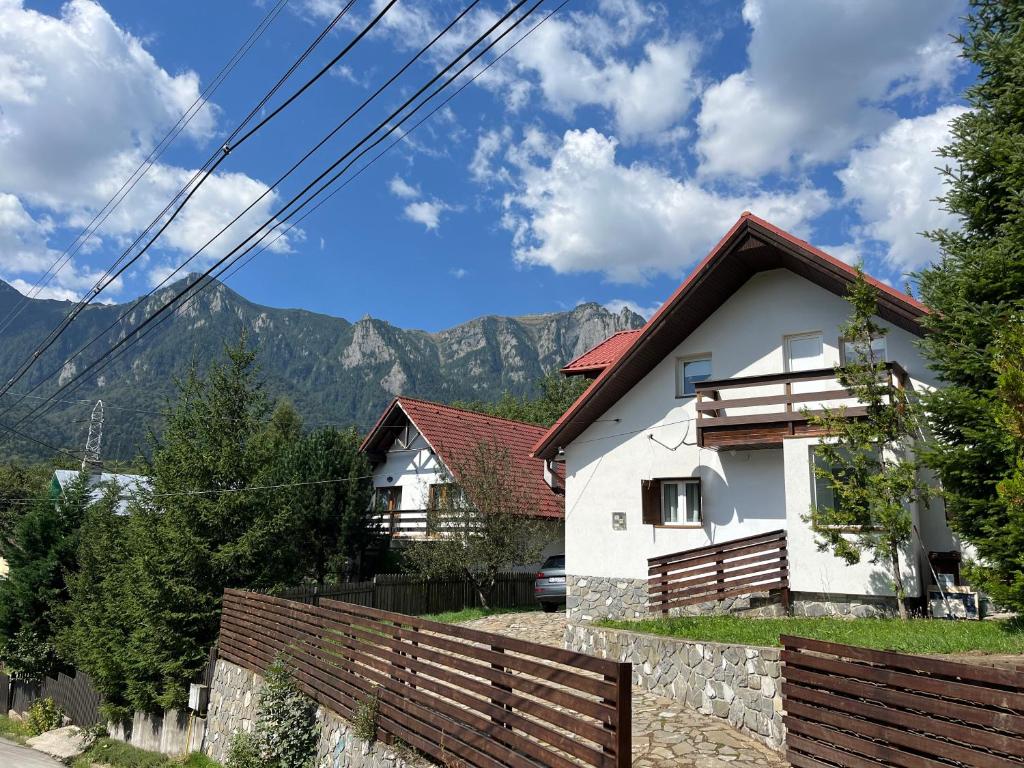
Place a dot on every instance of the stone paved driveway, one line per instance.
(664, 732)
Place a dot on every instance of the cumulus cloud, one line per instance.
(401, 188)
(83, 103)
(822, 78)
(893, 183)
(577, 209)
(426, 212)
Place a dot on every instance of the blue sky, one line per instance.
(598, 161)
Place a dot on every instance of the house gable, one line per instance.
(751, 247)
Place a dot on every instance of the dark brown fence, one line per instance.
(459, 695)
(849, 706)
(404, 593)
(74, 695)
(708, 574)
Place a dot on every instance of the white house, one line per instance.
(417, 448)
(756, 323)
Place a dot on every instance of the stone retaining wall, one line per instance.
(233, 704)
(739, 684)
(589, 598)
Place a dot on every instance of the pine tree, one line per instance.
(975, 289)
(45, 549)
(866, 462)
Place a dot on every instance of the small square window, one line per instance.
(689, 373)
(680, 502)
(851, 354)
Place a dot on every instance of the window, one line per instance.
(691, 372)
(437, 495)
(672, 502)
(849, 353)
(804, 352)
(823, 496)
(389, 499)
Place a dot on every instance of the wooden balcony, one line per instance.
(411, 524)
(754, 412)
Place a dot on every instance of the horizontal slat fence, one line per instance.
(707, 574)
(404, 593)
(459, 695)
(861, 708)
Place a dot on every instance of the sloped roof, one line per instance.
(128, 484)
(454, 433)
(599, 357)
(752, 245)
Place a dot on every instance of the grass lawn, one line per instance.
(120, 755)
(13, 730)
(468, 614)
(912, 636)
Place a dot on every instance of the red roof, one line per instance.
(599, 357)
(752, 245)
(454, 433)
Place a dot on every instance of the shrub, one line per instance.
(44, 715)
(243, 752)
(364, 723)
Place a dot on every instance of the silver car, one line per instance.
(549, 586)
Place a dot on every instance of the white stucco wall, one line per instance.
(650, 433)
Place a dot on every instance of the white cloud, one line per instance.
(576, 209)
(401, 188)
(83, 104)
(426, 212)
(851, 253)
(894, 183)
(488, 144)
(821, 79)
(458, 273)
(617, 305)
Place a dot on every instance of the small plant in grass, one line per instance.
(44, 715)
(15, 730)
(244, 752)
(364, 723)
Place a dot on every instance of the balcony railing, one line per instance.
(413, 524)
(759, 411)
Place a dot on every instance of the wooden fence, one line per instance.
(849, 706)
(74, 695)
(404, 593)
(708, 574)
(459, 695)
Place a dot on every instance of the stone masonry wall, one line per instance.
(589, 598)
(739, 684)
(233, 703)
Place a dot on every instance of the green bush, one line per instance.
(44, 715)
(365, 722)
(286, 730)
(243, 752)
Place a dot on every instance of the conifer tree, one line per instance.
(975, 289)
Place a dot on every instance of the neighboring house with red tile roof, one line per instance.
(694, 431)
(599, 357)
(417, 448)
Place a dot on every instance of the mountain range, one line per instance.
(333, 370)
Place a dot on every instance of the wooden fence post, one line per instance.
(623, 703)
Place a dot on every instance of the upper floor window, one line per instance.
(851, 352)
(690, 372)
(804, 352)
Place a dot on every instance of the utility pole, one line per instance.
(91, 460)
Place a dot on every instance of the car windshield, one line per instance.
(555, 561)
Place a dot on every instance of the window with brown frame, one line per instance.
(672, 501)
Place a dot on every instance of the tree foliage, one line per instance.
(975, 289)
(45, 549)
(486, 523)
(557, 393)
(18, 482)
(867, 462)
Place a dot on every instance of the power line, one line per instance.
(194, 185)
(147, 163)
(270, 189)
(276, 219)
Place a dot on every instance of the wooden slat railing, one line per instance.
(708, 574)
(454, 693)
(849, 706)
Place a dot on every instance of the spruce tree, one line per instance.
(974, 290)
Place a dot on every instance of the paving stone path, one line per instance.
(665, 733)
